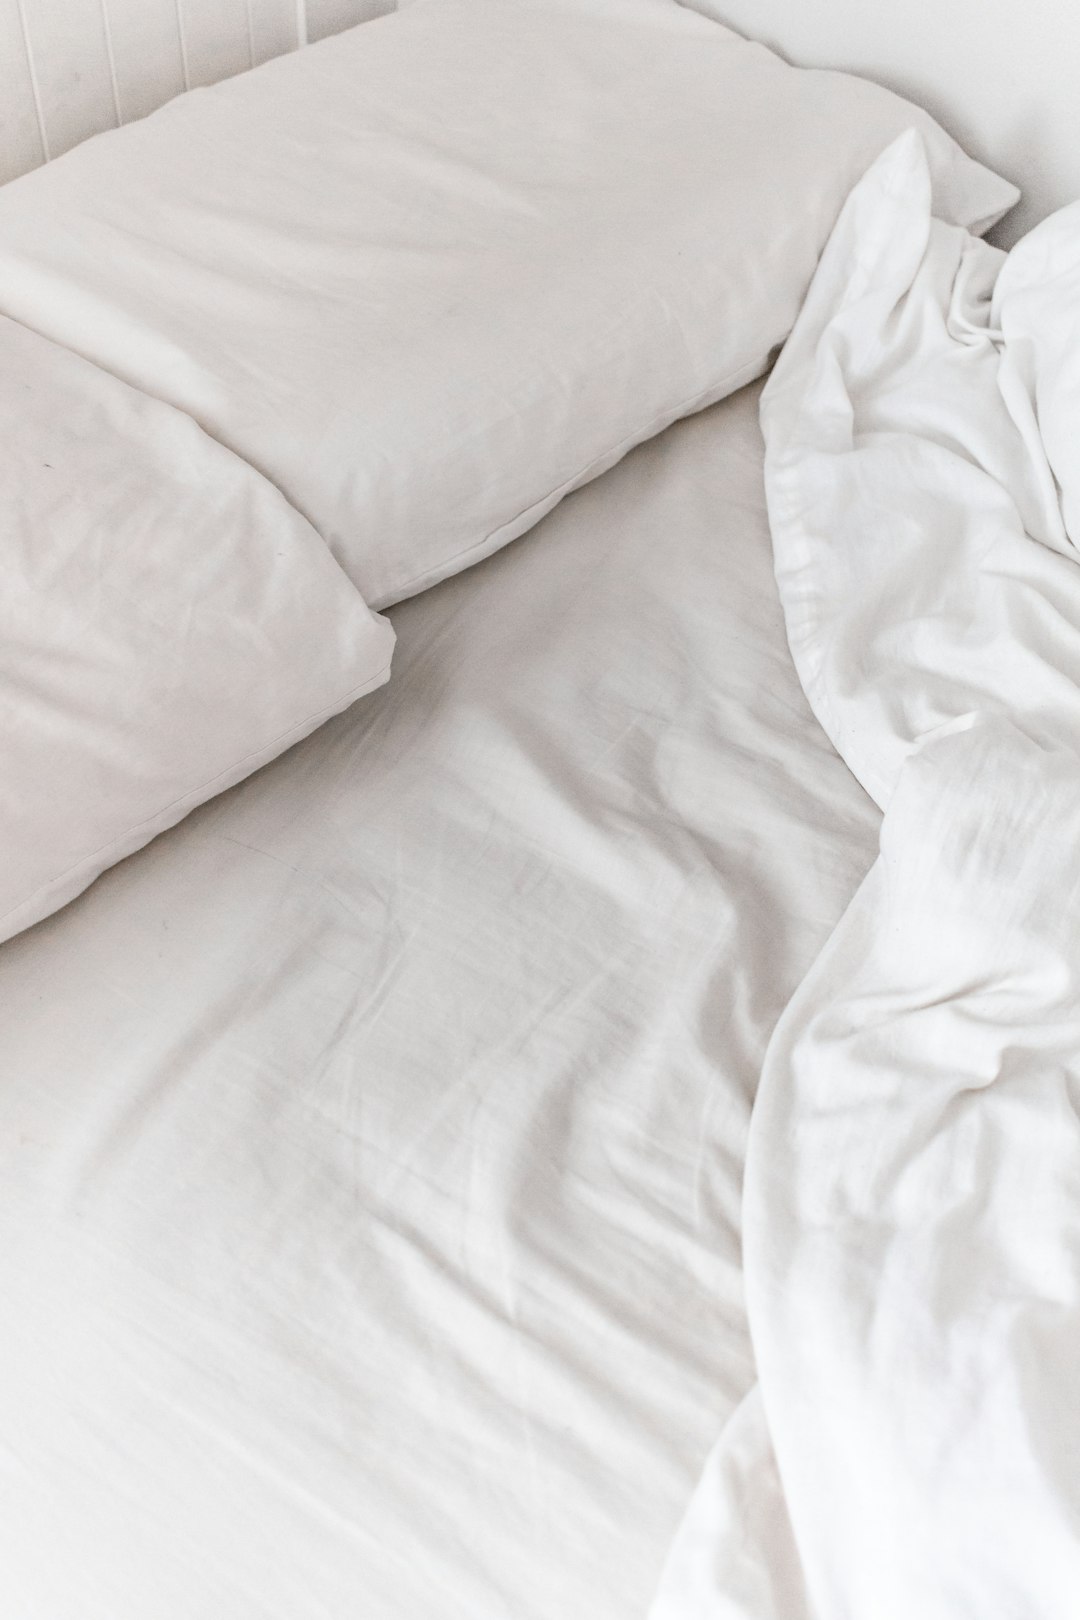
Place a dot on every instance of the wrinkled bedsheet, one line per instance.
(371, 1144)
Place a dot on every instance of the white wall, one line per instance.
(69, 68)
(1002, 75)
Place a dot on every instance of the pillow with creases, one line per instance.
(435, 272)
(168, 623)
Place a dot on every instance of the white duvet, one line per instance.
(912, 1204)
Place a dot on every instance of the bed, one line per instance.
(504, 1140)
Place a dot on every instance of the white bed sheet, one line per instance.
(371, 1144)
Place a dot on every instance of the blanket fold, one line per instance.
(912, 1198)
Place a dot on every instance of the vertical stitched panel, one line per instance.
(331, 16)
(216, 39)
(273, 27)
(21, 145)
(145, 41)
(69, 56)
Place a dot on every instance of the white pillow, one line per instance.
(1037, 307)
(167, 624)
(435, 272)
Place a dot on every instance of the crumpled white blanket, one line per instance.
(912, 1194)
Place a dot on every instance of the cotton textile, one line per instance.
(431, 274)
(167, 623)
(371, 1143)
(912, 1203)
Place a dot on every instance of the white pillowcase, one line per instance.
(432, 274)
(167, 624)
(1037, 307)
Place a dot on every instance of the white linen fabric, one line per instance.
(912, 1204)
(167, 623)
(432, 273)
(1037, 308)
(371, 1143)
(905, 481)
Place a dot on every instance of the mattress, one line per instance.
(372, 1142)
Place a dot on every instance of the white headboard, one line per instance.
(69, 68)
(1002, 76)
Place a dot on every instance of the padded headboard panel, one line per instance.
(1000, 75)
(69, 68)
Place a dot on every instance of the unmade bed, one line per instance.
(539, 996)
